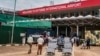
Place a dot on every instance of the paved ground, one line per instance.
(17, 51)
(94, 51)
(22, 51)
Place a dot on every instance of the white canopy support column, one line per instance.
(71, 28)
(99, 12)
(77, 30)
(70, 31)
(57, 30)
(85, 28)
(85, 32)
(13, 25)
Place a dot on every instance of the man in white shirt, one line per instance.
(40, 42)
(30, 41)
(73, 41)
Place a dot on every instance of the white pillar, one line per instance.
(57, 30)
(71, 31)
(66, 31)
(85, 28)
(99, 12)
(77, 30)
(23, 41)
(84, 32)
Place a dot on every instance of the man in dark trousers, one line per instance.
(77, 41)
(30, 41)
(88, 42)
(40, 42)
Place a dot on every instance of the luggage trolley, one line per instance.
(67, 50)
(50, 51)
(52, 45)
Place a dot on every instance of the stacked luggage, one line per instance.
(67, 50)
(52, 45)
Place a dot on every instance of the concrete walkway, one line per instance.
(94, 51)
(22, 51)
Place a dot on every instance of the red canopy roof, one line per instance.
(61, 7)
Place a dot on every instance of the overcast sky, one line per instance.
(27, 4)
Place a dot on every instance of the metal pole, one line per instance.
(85, 28)
(71, 28)
(77, 30)
(57, 30)
(13, 22)
(66, 30)
(52, 2)
(9, 36)
(99, 12)
(85, 32)
(71, 31)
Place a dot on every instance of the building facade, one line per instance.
(81, 18)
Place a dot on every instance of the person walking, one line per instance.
(40, 42)
(77, 41)
(74, 38)
(73, 41)
(30, 41)
(88, 43)
(83, 46)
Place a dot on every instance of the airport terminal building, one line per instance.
(81, 18)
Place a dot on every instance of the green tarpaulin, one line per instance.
(8, 18)
(27, 22)
(35, 24)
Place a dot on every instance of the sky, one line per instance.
(28, 4)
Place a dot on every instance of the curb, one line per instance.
(8, 45)
(17, 45)
(1, 45)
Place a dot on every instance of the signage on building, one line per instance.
(22, 34)
(68, 6)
